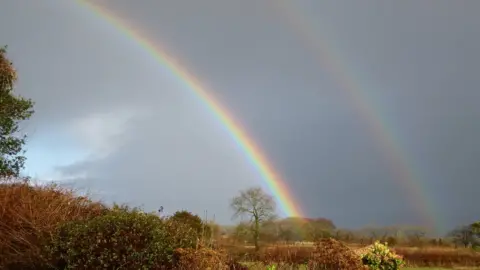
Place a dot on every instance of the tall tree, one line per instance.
(258, 206)
(13, 109)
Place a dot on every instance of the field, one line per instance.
(417, 258)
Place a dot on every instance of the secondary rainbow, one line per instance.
(405, 172)
(285, 201)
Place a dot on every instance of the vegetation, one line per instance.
(30, 214)
(467, 235)
(380, 257)
(49, 227)
(332, 254)
(120, 239)
(13, 109)
(258, 206)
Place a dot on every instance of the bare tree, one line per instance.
(258, 206)
(462, 235)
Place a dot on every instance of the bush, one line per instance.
(379, 257)
(285, 256)
(190, 219)
(121, 239)
(30, 213)
(200, 259)
(330, 254)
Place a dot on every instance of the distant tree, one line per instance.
(318, 228)
(241, 232)
(286, 234)
(463, 235)
(475, 227)
(13, 109)
(415, 235)
(258, 206)
(270, 231)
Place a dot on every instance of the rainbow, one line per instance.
(273, 181)
(404, 172)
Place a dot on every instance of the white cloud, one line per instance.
(102, 132)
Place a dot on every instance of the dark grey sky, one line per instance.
(113, 120)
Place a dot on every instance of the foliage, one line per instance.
(189, 219)
(241, 232)
(272, 267)
(316, 229)
(331, 254)
(439, 257)
(121, 239)
(475, 227)
(463, 235)
(200, 259)
(258, 206)
(30, 213)
(380, 257)
(282, 256)
(13, 109)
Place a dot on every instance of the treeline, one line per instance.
(295, 230)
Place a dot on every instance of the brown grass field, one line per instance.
(417, 258)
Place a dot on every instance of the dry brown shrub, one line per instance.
(285, 255)
(439, 257)
(330, 254)
(29, 213)
(200, 259)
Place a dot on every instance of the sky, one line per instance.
(111, 120)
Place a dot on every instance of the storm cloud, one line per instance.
(110, 118)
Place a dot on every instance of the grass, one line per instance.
(436, 268)
(259, 266)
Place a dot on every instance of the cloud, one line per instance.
(102, 133)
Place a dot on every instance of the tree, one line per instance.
(240, 232)
(475, 227)
(463, 235)
(318, 228)
(258, 206)
(13, 109)
(415, 235)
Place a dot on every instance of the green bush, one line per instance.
(192, 220)
(380, 257)
(121, 239)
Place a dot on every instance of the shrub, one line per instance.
(192, 220)
(121, 239)
(30, 213)
(379, 257)
(285, 256)
(200, 259)
(330, 254)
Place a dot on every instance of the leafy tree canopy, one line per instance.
(13, 109)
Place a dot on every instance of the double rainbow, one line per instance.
(253, 153)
